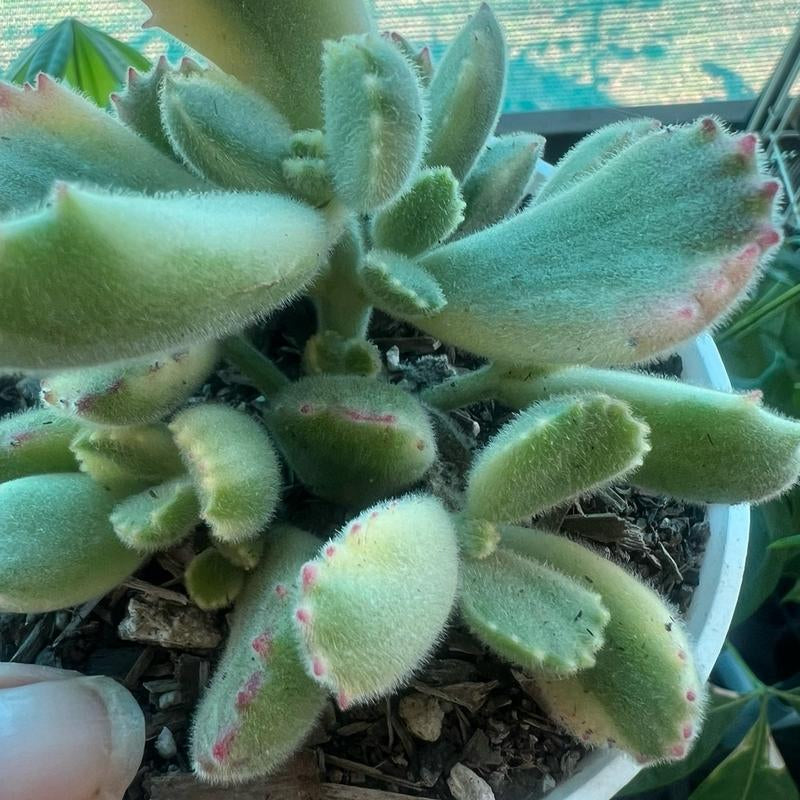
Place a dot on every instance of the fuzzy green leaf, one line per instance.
(374, 120)
(530, 614)
(57, 547)
(225, 131)
(274, 49)
(34, 442)
(352, 439)
(608, 272)
(260, 704)
(400, 286)
(234, 466)
(157, 518)
(724, 707)
(553, 452)
(591, 152)
(495, 186)
(126, 460)
(131, 393)
(97, 277)
(646, 655)
(695, 434)
(423, 216)
(212, 581)
(51, 133)
(87, 59)
(466, 92)
(376, 599)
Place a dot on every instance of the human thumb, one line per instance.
(66, 736)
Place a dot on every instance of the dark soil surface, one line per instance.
(465, 707)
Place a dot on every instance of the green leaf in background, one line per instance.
(81, 56)
(770, 524)
(723, 709)
(793, 595)
(755, 770)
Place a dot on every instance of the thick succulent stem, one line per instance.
(643, 694)
(466, 389)
(338, 295)
(255, 365)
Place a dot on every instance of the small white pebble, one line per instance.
(464, 784)
(165, 744)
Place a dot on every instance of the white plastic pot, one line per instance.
(604, 772)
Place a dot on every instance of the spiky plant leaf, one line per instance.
(97, 277)
(213, 582)
(374, 119)
(423, 216)
(466, 92)
(158, 517)
(131, 393)
(234, 466)
(138, 104)
(57, 547)
(531, 614)
(36, 441)
(421, 59)
(85, 58)
(646, 655)
(275, 49)
(261, 703)
(558, 284)
(375, 600)
(126, 460)
(224, 131)
(400, 286)
(552, 452)
(696, 434)
(51, 133)
(352, 439)
(495, 186)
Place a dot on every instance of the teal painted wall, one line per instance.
(563, 53)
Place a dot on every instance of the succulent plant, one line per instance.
(318, 158)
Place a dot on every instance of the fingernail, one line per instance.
(76, 739)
